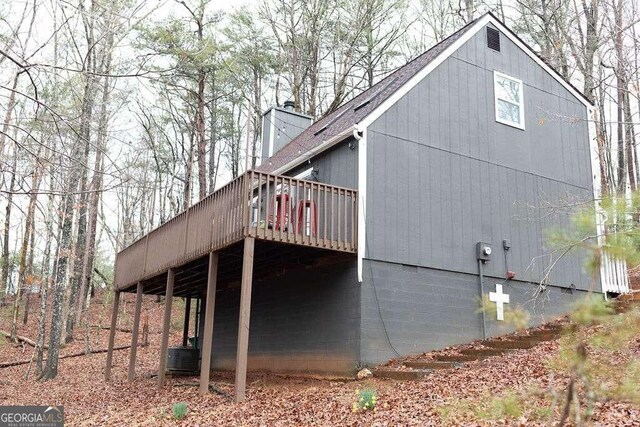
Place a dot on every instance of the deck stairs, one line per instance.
(419, 368)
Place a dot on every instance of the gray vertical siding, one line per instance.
(443, 174)
(336, 166)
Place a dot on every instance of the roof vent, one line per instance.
(330, 122)
(493, 39)
(289, 105)
(375, 94)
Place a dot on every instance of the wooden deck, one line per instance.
(267, 207)
(195, 253)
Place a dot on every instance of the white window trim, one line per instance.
(496, 75)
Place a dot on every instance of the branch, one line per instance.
(24, 69)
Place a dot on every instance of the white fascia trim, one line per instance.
(487, 19)
(305, 173)
(320, 148)
(418, 77)
(362, 194)
(526, 49)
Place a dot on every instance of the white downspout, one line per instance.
(360, 134)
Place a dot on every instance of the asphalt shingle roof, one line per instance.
(355, 110)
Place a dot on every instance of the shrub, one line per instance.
(179, 410)
(365, 400)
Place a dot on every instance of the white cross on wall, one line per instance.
(500, 299)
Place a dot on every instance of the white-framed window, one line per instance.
(509, 100)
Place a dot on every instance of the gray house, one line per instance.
(375, 231)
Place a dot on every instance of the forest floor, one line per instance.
(444, 398)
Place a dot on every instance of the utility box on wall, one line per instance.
(483, 251)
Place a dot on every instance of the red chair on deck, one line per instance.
(282, 212)
(307, 218)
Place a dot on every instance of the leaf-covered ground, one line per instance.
(275, 400)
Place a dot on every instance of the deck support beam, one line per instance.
(210, 305)
(187, 315)
(165, 327)
(243, 321)
(112, 334)
(134, 333)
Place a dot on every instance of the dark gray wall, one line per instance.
(425, 309)
(303, 321)
(336, 166)
(443, 174)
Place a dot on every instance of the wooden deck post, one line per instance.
(165, 327)
(243, 321)
(210, 304)
(134, 333)
(187, 315)
(112, 335)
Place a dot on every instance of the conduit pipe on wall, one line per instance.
(484, 311)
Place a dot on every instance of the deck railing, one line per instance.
(290, 210)
(270, 207)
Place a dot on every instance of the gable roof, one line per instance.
(366, 107)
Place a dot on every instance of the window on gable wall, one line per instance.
(509, 100)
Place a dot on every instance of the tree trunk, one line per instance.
(631, 139)
(6, 265)
(26, 238)
(257, 118)
(188, 174)
(4, 275)
(7, 117)
(46, 274)
(620, 85)
(213, 136)
(27, 295)
(51, 368)
(95, 186)
(470, 10)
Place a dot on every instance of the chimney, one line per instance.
(280, 125)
